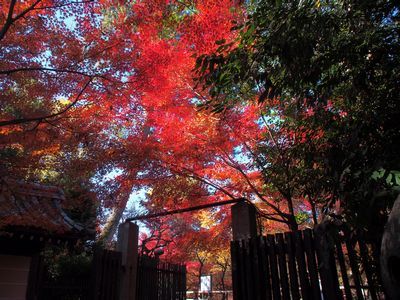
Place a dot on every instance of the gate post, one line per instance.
(244, 222)
(244, 227)
(128, 234)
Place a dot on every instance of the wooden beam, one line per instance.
(182, 210)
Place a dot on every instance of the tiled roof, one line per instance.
(34, 206)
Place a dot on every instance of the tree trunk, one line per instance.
(390, 253)
(292, 223)
(223, 284)
(110, 228)
(314, 212)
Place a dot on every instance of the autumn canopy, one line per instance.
(177, 103)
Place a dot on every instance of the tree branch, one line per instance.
(42, 118)
(10, 20)
(62, 5)
(234, 165)
(44, 69)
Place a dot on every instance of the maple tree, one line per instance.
(111, 91)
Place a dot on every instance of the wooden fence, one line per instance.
(297, 265)
(159, 280)
(155, 280)
(98, 282)
(106, 274)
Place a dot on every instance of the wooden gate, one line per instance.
(158, 280)
(106, 274)
(297, 265)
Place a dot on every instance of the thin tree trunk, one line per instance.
(223, 283)
(314, 213)
(292, 224)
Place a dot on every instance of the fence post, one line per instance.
(244, 222)
(128, 234)
(244, 227)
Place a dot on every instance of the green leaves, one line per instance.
(391, 178)
(330, 65)
(378, 174)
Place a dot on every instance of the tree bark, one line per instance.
(390, 253)
(110, 228)
(292, 223)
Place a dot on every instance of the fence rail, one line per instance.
(300, 265)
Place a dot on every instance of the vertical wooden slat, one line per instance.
(294, 286)
(180, 290)
(168, 282)
(235, 262)
(354, 268)
(312, 264)
(103, 276)
(157, 267)
(265, 286)
(367, 267)
(327, 266)
(334, 274)
(108, 273)
(276, 289)
(107, 257)
(148, 277)
(179, 277)
(104, 273)
(266, 268)
(115, 274)
(119, 271)
(111, 275)
(173, 282)
(343, 268)
(257, 276)
(96, 273)
(138, 277)
(283, 274)
(184, 284)
(302, 268)
(248, 258)
(179, 283)
(242, 263)
(35, 277)
(375, 255)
